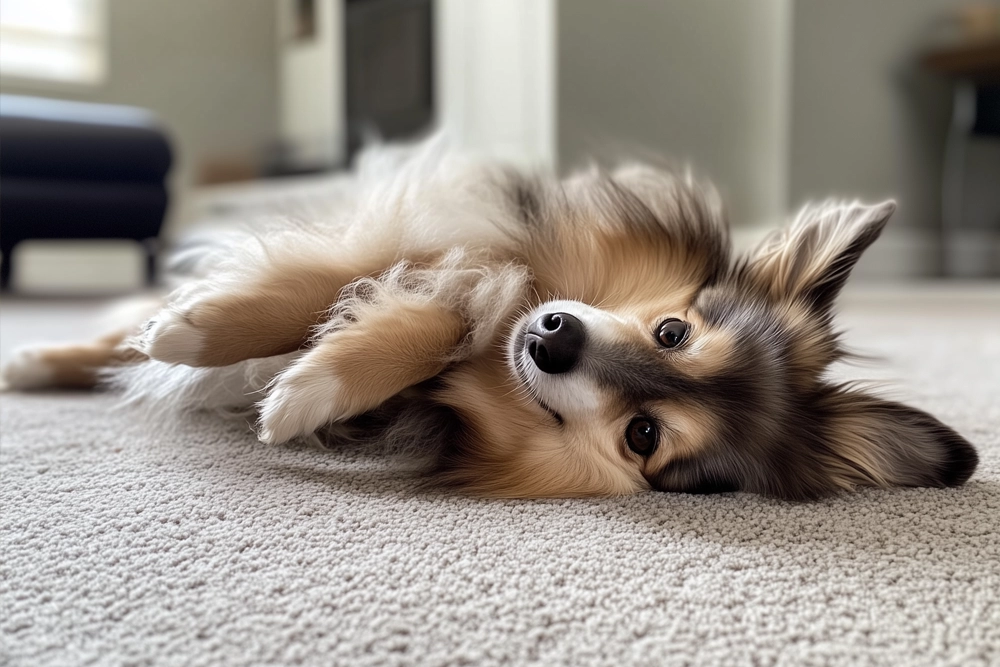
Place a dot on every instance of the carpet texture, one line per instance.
(199, 546)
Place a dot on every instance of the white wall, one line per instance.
(312, 115)
(495, 77)
(779, 102)
(704, 82)
(866, 120)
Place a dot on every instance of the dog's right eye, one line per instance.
(672, 333)
(641, 436)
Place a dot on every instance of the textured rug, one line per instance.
(197, 545)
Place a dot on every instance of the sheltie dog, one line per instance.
(537, 337)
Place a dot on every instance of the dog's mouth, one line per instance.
(519, 362)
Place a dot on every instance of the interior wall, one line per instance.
(208, 69)
(868, 122)
(495, 77)
(702, 82)
(311, 83)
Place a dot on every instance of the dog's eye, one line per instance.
(641, 436)
(672, 332)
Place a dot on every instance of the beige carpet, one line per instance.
(196, 545)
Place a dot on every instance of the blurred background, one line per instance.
(126, 123)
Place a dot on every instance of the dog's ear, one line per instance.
(812, 258)
(869, 441)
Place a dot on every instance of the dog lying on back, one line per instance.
(589, 336)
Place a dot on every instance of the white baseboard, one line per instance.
(70, 268)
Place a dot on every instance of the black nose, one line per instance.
(554, 342)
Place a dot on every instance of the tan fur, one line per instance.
(878, 443)
(518, 452)
(690, 429)
(618, 271)
(271, 316)
(710, 350)
(78, 365)
(812, 349)
(388, 352)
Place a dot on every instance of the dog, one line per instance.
(537, 337)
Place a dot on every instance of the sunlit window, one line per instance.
(55, 40)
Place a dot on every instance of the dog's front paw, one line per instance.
(170, 336)
(303, 399)
(220, 323)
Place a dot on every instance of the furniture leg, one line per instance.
(953, 175)
(6, 268)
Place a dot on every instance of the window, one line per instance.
(53, 40)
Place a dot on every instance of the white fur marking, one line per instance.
(570, 393)
(27, 370)
(171, 338)
(303, 398)
(164, 390)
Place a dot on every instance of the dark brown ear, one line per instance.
(873, 442)
(813, 257)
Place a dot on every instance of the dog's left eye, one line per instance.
(672, 332)
(641, 436)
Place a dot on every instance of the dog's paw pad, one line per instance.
(27, 369)
(301, 401)
(170, 336)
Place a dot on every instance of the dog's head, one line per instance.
(722, 390)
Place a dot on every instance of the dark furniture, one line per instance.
(70, 170)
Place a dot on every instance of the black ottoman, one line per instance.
(70, 170)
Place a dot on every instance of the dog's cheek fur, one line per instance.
(690, 458)
(509, 447)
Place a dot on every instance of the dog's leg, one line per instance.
(390, 334)
(272, 314)
(77, 365)
(355, 369)
(70, 366)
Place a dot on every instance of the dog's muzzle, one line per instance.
(554, 342)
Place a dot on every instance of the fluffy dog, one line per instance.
(589, 336)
